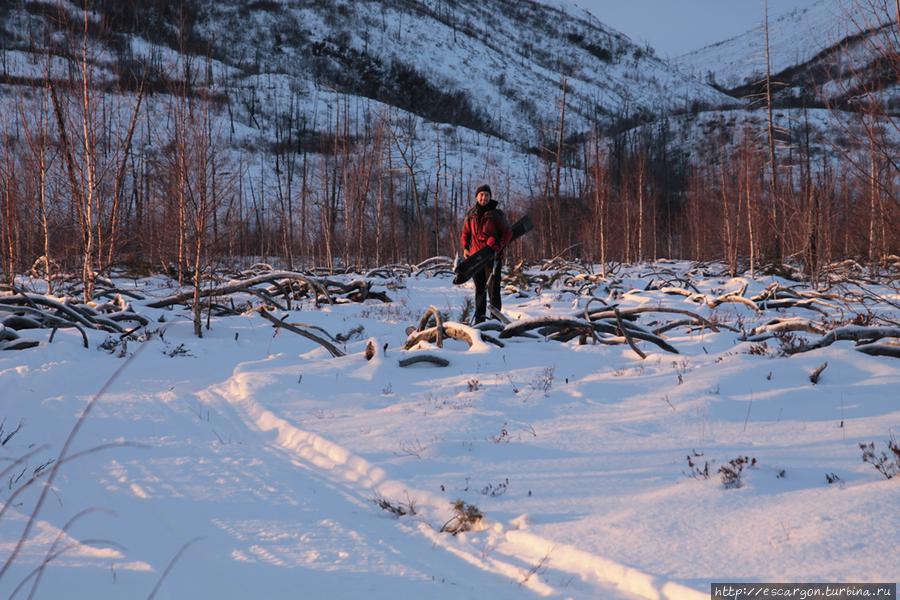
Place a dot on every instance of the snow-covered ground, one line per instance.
(256, 457)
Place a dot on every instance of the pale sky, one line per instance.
(674, 27)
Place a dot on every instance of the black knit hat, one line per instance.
(484, 188)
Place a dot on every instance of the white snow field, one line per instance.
(254, 459)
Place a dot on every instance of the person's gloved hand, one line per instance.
(492, 242)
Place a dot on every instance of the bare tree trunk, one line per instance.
(773, 167)
(120, 181)
(873, 193)
(10, 220)
(728, 242)
(748, 197)
(640, 190)
(555, 225)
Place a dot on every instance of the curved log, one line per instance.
(457, 331)
(430, 312)
(20, 322)
(429, 358)
(628, 337)
(672, 325)
(19, 344)
(636, 332)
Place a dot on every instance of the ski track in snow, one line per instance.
(366, 480)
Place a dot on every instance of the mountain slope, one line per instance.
(494, 66)
(830, 53)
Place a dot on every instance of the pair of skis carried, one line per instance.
(468, 267)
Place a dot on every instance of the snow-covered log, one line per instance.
(776, 326)
(457, 331)
(857, 333)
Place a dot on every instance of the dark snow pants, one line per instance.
(487, 280)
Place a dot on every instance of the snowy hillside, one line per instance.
(251, 463)
(794, 39)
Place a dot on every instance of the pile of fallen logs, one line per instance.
(603, 325)
(874, 341)
(21, 310)
(775, 296)
(279, 289)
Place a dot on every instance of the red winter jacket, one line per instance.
(489, 228)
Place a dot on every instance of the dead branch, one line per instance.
(332, 349)
(817, 372)
(627, 335)
(498, 315)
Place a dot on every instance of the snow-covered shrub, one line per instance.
(543, 382)
(887, 465)
(465, 517)
(758, 349)
(396, 508)
(695, 471)
(731, 472)
(466, 311)
(790, 343)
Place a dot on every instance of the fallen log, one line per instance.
(777, 326)
(880, 349)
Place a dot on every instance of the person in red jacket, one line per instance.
(485, 225)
